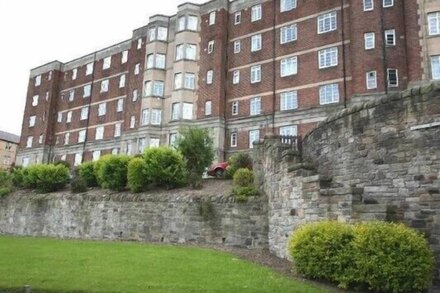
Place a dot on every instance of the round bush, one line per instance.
(46, 177)
(97, 168)
(87, 173)
(238, 161)
(136, 176)
(243, 177)
(323, 250)
(392, 258)
(113, 172)
(165, 167)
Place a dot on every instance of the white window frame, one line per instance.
(385, 4)
(435, 67)
(139, 43)
(178, 78)
(120, 105)
(38, 80)
(78, 159)
(369, 40)
(99, 133)
(329, 94)
(209, 76)
(84, 113)
(69, 117)
(328, 57)
(237, 47)
(288, 34)
(35, 99)
(175, 111)
(288, 130)
(371, 80)
(74, 73)
(60, 117)
(81, 136)
(102, 109)
(96, 155)
(181, 21)
(212, 18)
(288, 100)
(89, 68)
(132, 122)
(256, 12)
(162, 33)
(235, 108)
(397, 77)
(210, 47)
(32, 120)
(134, 96)
(106, 64)
(256, 43)
(137, 69)
(156, 116)
(208, 108)
(104, 86)
(29, 141)
(289, 66)
(124, 57)
(391, 32)
(152, 34)
(237, 17)
(287, 5)
(233, 140)
(434, 23)
(71, 95)
(122, 81)
(87, 90)
(236, 77)
(189, 82)
(254, 135)
(117, 131)
(327, 22)
(187, 111)
(256, 74)
(66, 138)
(255, 106)
(192, 23)
(368, 5)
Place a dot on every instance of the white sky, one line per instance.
(36, 32)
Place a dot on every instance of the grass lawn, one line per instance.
(50, 265)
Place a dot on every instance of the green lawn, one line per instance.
(49, 265)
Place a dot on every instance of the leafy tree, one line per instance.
(197, 147)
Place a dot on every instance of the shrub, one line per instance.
(392, 258)
(165, 167)
(196, 146)
(323, 250)
(242, 193)
(136, 175)
(87, 173)
(5, 191)
(243, 185)
(238, 161)
(17, 177)
(5, 178)
(113, 172)
(78, 185)
(63, 163)
(46, 178)
(97, 168)
(379, 256)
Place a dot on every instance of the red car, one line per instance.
(218, 170)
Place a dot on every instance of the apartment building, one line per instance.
(241, 68)
(8, 149)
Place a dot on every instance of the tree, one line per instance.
(197, 147)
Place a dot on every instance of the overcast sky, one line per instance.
(36, 32)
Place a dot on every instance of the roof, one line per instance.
(6, 136)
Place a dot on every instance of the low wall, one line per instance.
(160, 217)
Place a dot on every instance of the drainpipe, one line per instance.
(226, 79)
(344, 69)
(274, 78)
(384, 56)
(90, 107)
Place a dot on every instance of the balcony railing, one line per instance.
(294, 142)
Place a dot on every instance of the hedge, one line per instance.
(112, 172)
(136, 175)
(46, 178)
(243, 185)
(378, 256)
(87, 173)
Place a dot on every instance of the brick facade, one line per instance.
(216, 23)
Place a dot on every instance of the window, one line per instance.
(237, 47)
(187, 111)
(210, 47)
(122, 81)
(234, 109)
(152, 34)
(192, 23)
(289, 66)
(327, 22)
(129, 148)
(102, 109)
(371, 80)
(134, 96)
(237, 17)
(162, 33)
(190, 81)
(124, 57)
(370, 41)
(190, 52)
(154, 142)
(66, 138)
(233, 139)
(256, 43)
(115, 151)
(60, 117)
(29, 141)
(175, 111)
(288, 34)
(81, 136)
(35, 100)
(156, 61)
(388, 3)
(173, 138)
(255, 106)
(156, 116)
(288, 100)
(37, 80)
(256, 13)
(390, 37)
(435, 67)
(89, 68)
(212, 18)
(158, 88)
(329, 94)
(180, 52)
(117, 130)
(142, 144)
(209, 76)
(87, 90)
(47, 96)
(137, 69)
(255, 73)
(236, 77)
(25, 162)
(78, 159)
(71, 95)
(107, 62)
(178, 81)
(69, 117)
(287, 5)
(96, 155)
(145, 116)
(132, 122)
(74, 73)
(120, 105)
(393, 78)
(32, 121)
(328, 57)
(99, 132)
(84, 113)
(254, 136)
(290, 130)
(104, 86)
(40, 139)
(181, 23)
(368, 5)
(208, 108)
(434, 23)
(139, 43)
